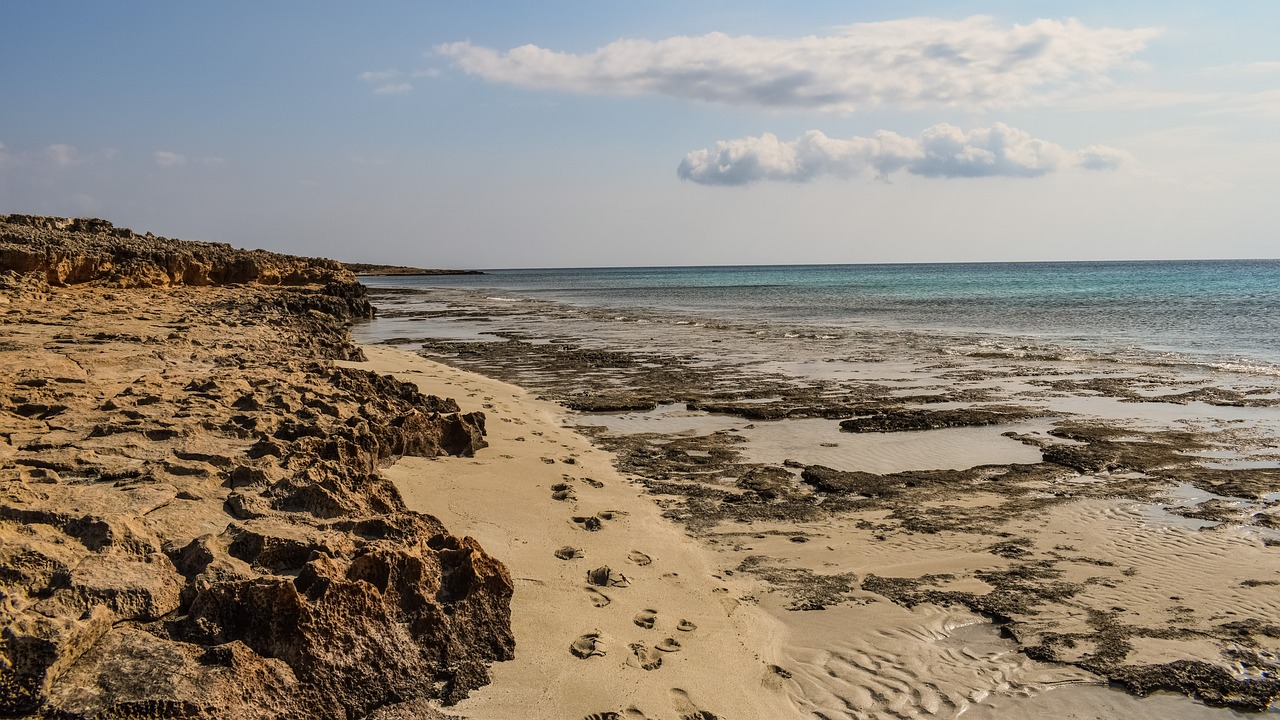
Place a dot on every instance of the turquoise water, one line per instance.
(1220, 312)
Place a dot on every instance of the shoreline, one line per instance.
(668, 531)
(777, 637)
(581, 358)
(504, 498)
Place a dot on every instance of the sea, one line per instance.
(1215, 314)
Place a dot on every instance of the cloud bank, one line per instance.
(915, 62)
(944, 151)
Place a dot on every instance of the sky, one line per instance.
(567, 134)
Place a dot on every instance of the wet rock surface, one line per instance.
(192, 521)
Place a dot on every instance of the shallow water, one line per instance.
(821, 442)
(1100, 702)
(1220, 313)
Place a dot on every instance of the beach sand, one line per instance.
(503, 497)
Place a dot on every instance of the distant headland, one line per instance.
(372, 269)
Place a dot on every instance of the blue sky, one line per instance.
(584, 134)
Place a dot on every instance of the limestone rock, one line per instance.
(192, 519)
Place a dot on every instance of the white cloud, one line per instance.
(940, 151)
(392, 81)
(167, 159)
(61, 155)
(915, 62)
(1101, 157)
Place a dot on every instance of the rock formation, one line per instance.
(192, 523)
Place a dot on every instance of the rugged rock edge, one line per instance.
(192, 523)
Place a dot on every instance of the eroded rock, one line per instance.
(192, 519)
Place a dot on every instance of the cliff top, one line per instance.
(90, 250)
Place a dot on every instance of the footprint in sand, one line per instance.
(645, 657)
(589, 523)
(686, 626)
(646, 619)
(669, 645)
(605, 577)
(610, 715)
(562, 491)
(598, 598)
(684, 706)
(569, 553)
(593, 483)
(639, 558)
(588, 645)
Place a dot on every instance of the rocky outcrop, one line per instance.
(70, 251)
(192, 521)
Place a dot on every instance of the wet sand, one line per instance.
(1126, 532)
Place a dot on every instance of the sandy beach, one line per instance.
(667, 635)
(918, 573)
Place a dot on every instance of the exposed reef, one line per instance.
(1136, 543)
(192, 521)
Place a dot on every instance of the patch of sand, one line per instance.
(583, 648)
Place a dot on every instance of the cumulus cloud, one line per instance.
(1101, 157)
(915, 62)
(940, 151)
(167, 159)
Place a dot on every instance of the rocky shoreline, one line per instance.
(193, 522)
(1056, 550)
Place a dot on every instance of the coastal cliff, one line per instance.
(192, 519)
